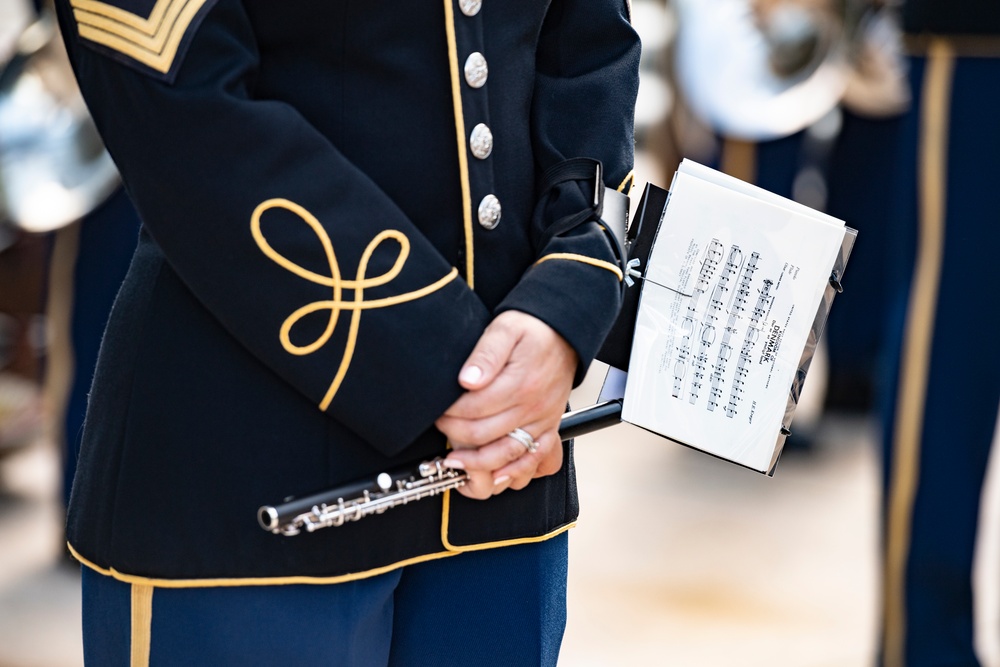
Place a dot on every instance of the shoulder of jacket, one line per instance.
(148, 35)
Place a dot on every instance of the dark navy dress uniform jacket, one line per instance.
(336, 199)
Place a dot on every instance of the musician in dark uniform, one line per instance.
(367, 230)
(947, 387)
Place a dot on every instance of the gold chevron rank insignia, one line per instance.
(149, 35)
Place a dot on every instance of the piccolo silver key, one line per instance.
(338, 506)
(353, 502)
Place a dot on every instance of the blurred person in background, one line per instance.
(23, 260)
(802, 97)
(60, 192)
(942, 415)
(920, 187)
(89, 262)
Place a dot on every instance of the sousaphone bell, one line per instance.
(54, 168)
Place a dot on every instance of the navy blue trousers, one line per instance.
(502, 606)
(945, 386)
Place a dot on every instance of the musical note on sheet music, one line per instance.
(709, 264)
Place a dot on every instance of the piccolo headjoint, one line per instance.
(352, 503)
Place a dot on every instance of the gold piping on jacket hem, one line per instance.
(600, 263)
(490, 545)
(338, 284)
(463, 167)
(629, 180)
(917, 345)
(251, 581)
(142, 624)
(463, 159)
(153, 41)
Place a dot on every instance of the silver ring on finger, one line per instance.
(525, 439)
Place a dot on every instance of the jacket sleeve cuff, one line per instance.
(403, 388)
(575, 294)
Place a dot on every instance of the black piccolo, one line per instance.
(406, 484)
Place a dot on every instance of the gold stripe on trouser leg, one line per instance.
(59, 369)
(739, 159)
(916, 352)
(142, 621)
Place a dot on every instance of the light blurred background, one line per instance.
(679, 559)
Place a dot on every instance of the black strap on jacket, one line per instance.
(589, 171)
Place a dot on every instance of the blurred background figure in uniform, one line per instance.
(22, 278)
(941, 423)
(860, 168)
(67, 232)
(800, 97)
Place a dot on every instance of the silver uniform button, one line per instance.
(489, 212)
(476, 70)
(470, 7)
(481, 141)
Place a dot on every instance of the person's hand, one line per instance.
(519, 376)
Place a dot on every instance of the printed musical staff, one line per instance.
(711, 316)
(735, 313)
(709, 264)
(760, 311)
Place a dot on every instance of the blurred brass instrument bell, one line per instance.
(53, 165)
(765, 69)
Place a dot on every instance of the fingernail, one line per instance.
(503, 479)
(455, 464)
(470, 374)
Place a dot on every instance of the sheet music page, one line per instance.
(733, 284)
